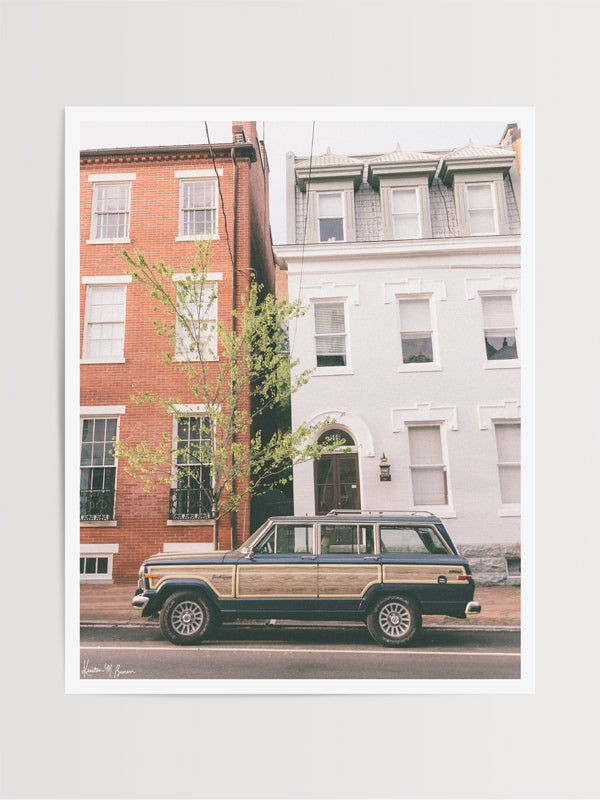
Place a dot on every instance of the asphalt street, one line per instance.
(269, 653)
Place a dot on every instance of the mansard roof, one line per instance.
(475, 158)
(329, 166)
(402, 162)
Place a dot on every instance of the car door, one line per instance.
(281, 574)
(348, 564)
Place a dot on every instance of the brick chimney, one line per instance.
(244, 131)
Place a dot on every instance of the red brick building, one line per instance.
(158, 201)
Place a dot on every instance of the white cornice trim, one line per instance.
(424, 412)
(491, 283)
(99, 548)
(507, 410)
(102, 279)
(412, 286)
(112, 177)
(509, 246)
(326, 289)
(101, 411)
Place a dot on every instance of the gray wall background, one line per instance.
(56, 54)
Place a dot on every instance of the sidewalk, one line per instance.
(111, 604)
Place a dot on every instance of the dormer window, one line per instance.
(481, 209)
(330, 206)
(405, 213)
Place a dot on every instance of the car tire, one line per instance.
(186, 618)
(394, 621)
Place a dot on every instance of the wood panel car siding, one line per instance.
(420, 573)
(277, 580)
(220, 577)
(347, 580)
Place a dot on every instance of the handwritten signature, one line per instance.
(107, 670)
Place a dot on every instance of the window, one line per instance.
(98, 469)
(286, 539)
(196, 325)
(110, 211)
(96, 562)
(330, 334)
(197, 209)
(331, 216)
(499, 327)
(405, 214)
(93, 565)
(415, 331)
(191, 496)
(104, 329)
(481, 210)
(355, 539)
(403, 539)
(428, 471)
(508, 444)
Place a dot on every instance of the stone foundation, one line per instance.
(494, 564)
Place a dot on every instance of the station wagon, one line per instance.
(384, 568)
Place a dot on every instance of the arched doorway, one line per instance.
(336, 475)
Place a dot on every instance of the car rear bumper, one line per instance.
(473, 608)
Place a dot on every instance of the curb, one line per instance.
(315, 626)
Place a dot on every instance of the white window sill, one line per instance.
(320, 371)
(510, 510)
(99, 523)
(204, 237)
(102, 361)
(423, 367)
(108, 241)
(507, 363)
(194, 360)
(179, 523)
(95, 579)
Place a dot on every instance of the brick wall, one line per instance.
(141, 517)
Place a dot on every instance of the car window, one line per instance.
(287, 539)
(410, 539)
(343, 539)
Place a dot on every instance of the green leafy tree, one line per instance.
(238, 375)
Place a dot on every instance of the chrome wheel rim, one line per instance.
(394, 620)
(187, 618)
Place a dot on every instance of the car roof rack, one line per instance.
(359, 512)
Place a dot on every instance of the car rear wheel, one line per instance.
(394, 621)
(186, 618)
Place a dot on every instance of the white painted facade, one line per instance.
(459, 396)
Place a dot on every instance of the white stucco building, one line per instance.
(410, 266)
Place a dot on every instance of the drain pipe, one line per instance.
(234, 308)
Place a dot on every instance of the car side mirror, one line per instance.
(249, 554)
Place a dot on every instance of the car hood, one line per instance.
(210, 557)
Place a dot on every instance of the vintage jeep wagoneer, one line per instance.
(384, 568)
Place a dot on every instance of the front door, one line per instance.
(336, 482)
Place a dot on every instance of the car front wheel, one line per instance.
(393, 621)
(186, 618)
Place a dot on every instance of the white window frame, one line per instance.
(100, 412)
(443, 466)
(502, 363)
(96, 551)
(493, 208)
(101, 181)
(346, 369)
(426, 366)
(319, 216)
(212, 279)
(91, 284)
(418, 213)
(197, 177)
(508, 509)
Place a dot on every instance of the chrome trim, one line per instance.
(473, 608)
(139, 601)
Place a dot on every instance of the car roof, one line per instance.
(363, 516)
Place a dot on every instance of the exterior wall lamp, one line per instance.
(384, 469)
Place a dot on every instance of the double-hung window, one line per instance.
(110, 211)
(405, 213)
(198, 209)
(499, 327)
(330, 334)
(196, 323)
(508, 444)
(97, 469)
(427, 466)
(330, 213)
(481, 209)
(416, 334)
(191, 495)
(104, 326)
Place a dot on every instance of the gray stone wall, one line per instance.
(489, 563)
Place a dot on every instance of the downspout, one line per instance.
(234, 308)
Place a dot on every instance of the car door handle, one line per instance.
(309, 558)
(371, 558)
